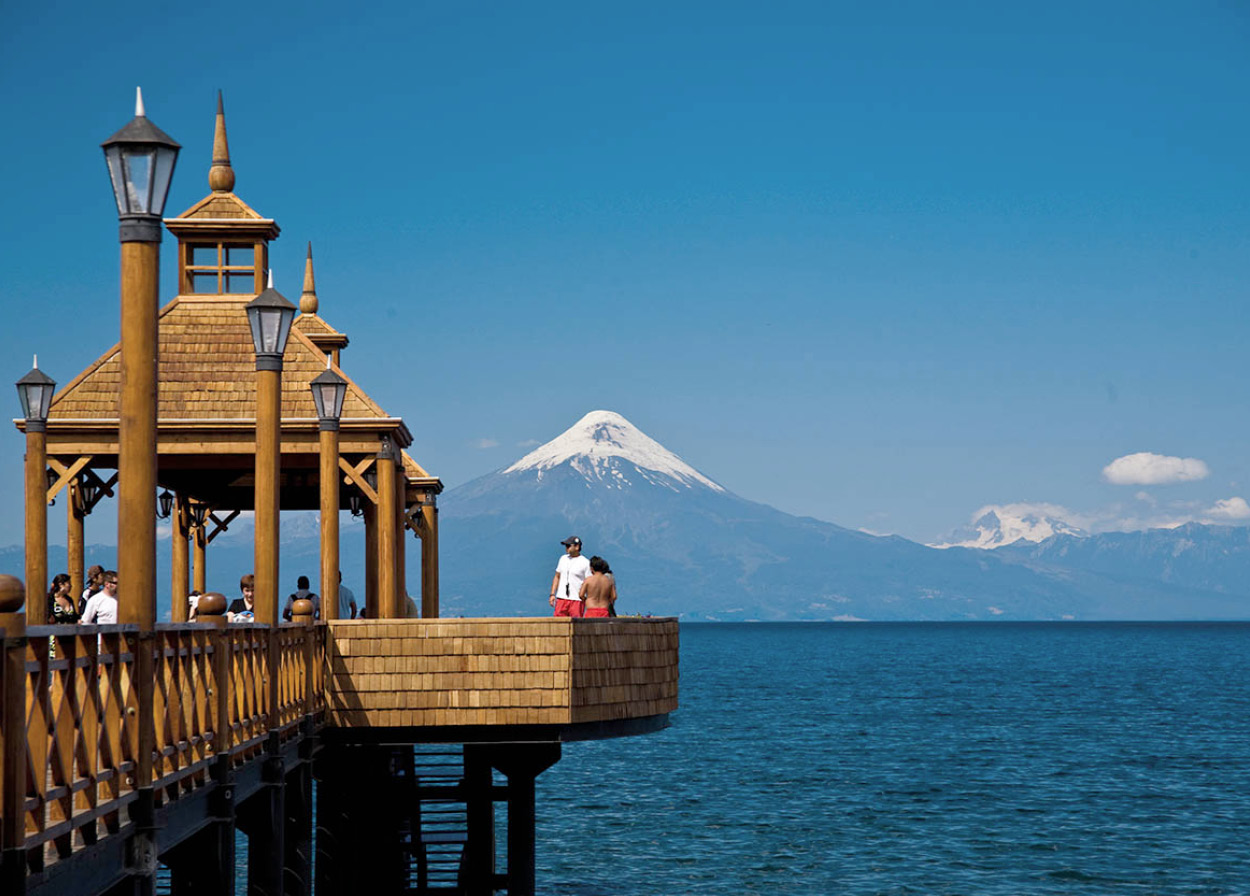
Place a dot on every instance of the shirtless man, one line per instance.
(599, 591)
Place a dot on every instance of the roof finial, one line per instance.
(271, 278)
(221, 175)
(36, 364)
(308, 298)
(139, 103)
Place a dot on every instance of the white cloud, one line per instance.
(1144, 468)
(486, 443)
(1229, 509)
(529, 443)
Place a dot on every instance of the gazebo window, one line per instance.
(221, 268)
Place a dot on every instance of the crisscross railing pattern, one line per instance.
(84, 709)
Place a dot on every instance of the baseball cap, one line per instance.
(572, 539)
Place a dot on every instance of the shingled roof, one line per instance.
(207, 372)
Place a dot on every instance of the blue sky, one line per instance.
(881, 264)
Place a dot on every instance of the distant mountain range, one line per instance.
(681, 544)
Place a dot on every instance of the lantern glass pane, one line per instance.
(139, 165)
(162, 173)
(113, 155)
(270, 330)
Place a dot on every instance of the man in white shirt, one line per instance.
(571, 571)
(102, 607)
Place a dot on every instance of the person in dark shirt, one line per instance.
(243, 609)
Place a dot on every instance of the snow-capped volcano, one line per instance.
(606, 447)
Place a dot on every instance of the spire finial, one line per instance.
(271, 278)
(221, 175)
(36, 364)
(308, 298)
(139, 103)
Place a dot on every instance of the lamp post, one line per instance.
(140, 161)
(328, 391)
(35, 391)
(270, 316)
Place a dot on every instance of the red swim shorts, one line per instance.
(568, 608)
(596, 613)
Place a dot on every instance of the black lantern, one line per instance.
(353, 501)
(199, 514)
(166, 500)
(270, 315)
(89, 491)
(141, 161)
(35, 391)
(328, 391)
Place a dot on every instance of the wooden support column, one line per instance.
(371, 559)
(262, 817)
(74, 541)
(329, 439)
(298, 835)
(203, 865)
(429, 560)
(36, 524)
(478, 878)
(523, 763)
(268, 460)
(388, 536)
(136, 479)
(199, 564)
(12, 738)
(179, 559)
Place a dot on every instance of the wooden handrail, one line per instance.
(74, 692)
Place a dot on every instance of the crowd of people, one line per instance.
(581, 587)
(97, 605)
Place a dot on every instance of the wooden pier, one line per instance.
(360, 756)
(86, 812)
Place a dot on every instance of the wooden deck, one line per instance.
(413, 673)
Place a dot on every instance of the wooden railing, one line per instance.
(76, 767)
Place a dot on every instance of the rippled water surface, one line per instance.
(930, 759)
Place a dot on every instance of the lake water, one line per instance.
(931, 759)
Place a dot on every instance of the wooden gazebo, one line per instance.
(206, 414)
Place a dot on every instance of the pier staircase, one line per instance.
(436, 829)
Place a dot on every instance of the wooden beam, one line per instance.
(222, 525)
(356, 476)
(66, 474)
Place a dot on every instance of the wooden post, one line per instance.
(522, 763)
(74, 520)
(136, 479)
(36, 524)
(12, 737)
(179, 560)
(268, 460)
(388, 534)
(329, 438)
(371, 559)
(429, 560)
(199, 564)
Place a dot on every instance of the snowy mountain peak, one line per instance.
(605, 446)
(1001, 524)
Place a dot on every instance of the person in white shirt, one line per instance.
(102, 607)
(566, 587)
